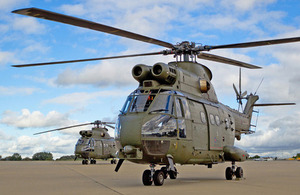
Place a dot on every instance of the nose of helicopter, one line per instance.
(130, 130)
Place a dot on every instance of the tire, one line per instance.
(239, 172)
(173, 174)
(158, 178)
(229, 173)
(147, 181)
(164, 169)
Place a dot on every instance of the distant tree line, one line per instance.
(297, 156)
(254, 157)
(36, 156)
(40, 156)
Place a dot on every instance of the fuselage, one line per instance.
(95, 144)
(177, 117)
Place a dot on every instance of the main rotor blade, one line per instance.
(59, 129)
(48, 15)
(275, 104)
(211, 57)
(109, 126)
(85, 60)
(255, 43)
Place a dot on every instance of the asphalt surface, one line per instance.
(68, 177)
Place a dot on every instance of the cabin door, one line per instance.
(199, 126)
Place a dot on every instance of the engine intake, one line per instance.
(85, 133)
(141, 72)
(164, 73)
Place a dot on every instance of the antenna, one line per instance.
(259, 85)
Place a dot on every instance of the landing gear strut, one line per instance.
(231, 171)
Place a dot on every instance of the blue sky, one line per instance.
(40, 98)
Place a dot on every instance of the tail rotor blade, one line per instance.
(244, 94)
(236, 91)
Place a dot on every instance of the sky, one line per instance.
(36, 99)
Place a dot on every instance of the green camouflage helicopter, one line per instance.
(93, 144)
(174, 116)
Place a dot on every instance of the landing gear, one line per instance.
(93, 161)
(147, 179)
(158, 176)
(113, 161)
(85, 161)
(230, 172)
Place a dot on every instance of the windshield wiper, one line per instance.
(158, 110)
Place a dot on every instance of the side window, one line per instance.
(91, 142)
(212, 119)
(179, 107)
(227, 123)
(185, 107)
(217, 120)
(182, 108)
(203, 117)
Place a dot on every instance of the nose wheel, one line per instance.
(233, 171)
(158, 176)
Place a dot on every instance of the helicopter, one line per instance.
(93, 144)
(174, 115)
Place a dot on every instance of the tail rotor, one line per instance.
(239, 94)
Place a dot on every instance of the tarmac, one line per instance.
(69, 177)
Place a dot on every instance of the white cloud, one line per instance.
(5, 137)
(17, 91)
(83, 98)
(27, 146)
(242, 5)
(28, 25)
(35, 119)
(9, 4)
(274, 135)
(7, 57)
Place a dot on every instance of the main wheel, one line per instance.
(147, 181)
(239, 172)
(173, 174)
(158, 178)
(229, 173)
(164, 169)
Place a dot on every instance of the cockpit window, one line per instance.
(160, 126)
(163, 103)
(91, 142)
(80, 141)
(126, 105)
(141, 102)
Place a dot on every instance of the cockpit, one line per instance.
(169, 109)
(141, 101)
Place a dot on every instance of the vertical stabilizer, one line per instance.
(251, 99)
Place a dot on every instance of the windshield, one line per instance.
(161, 125)
(141, 101)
